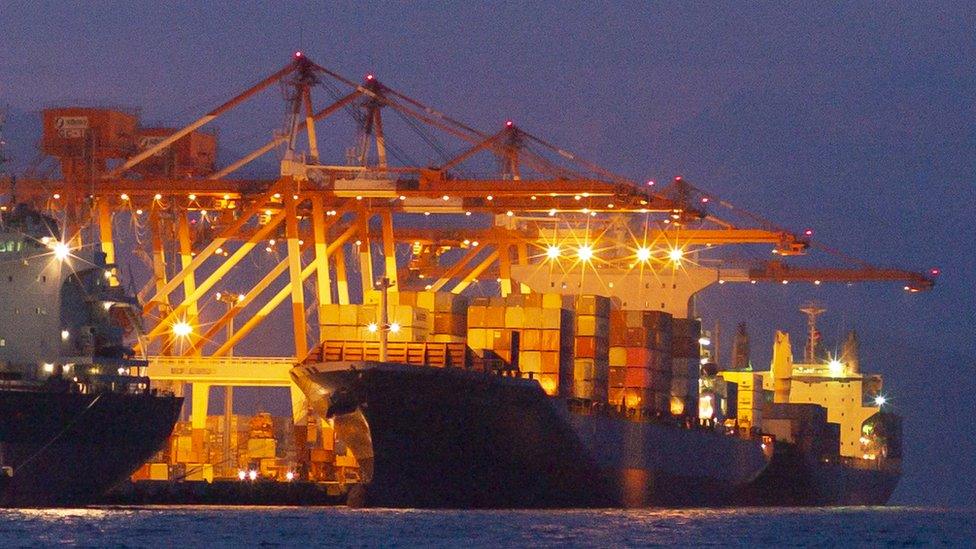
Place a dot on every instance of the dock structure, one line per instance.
(500, 212)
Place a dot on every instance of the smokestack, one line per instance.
(782, 367)
(849, 353)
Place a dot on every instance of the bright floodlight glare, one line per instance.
(676, 254)
(836, 367)
(553, 252)
(879, 401)
(182, 328)
(241, 475)
(372, 327)
(394, 327)
(290, 476)
(252, 474)
(585, 253)
(61, 251)
(704, 341)
(643, 254)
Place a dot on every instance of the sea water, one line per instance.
(194, 526)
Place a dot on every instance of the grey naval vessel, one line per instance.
(76, 414)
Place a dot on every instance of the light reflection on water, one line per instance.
(290, 526)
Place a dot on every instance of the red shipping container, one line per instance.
(585, 347)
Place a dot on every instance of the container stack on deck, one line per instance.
(591, 359)
(685, 363)
(531, 334)
(640, 360)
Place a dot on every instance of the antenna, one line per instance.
(812, 309)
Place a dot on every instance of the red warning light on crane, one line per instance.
(369, 76)
(298, 54)
(808, 232)
(509, 123)
(935, 272)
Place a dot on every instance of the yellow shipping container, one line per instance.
(550, 318)
(410, 334)
(552, 301)
(366, 314)
(583, 369)
(258, 448)
(531, 340)
(476, 338)
(330, 314)
(347, 460)
(530, 361)
(348, 315)
(158, 471)
(618, 356)
(426, 300)
(533, 317)
(514, 317)
(586, 325)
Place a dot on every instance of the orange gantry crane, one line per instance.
(304, 235)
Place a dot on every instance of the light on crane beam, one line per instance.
(553, 252)
(182, 328)
(676, 255)
(643, 254)
(585, 253)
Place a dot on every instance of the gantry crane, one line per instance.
(333, 218)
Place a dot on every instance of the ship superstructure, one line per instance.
(835, 441)
(71, 389)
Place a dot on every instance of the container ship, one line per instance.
(76, 415)
(536, 400)
(835, 444)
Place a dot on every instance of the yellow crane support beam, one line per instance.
(475, 273)
(229, 232)
(273, 303)
(218, 274)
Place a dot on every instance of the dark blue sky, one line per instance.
(856, 123)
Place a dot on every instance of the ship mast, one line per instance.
(812, 310)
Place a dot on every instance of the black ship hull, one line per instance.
(66, 449)
(444, 437)
(794, 479)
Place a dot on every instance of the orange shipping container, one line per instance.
(618, 377)
(550, 362)
(531, 340)
(550, 340)
(647, 379)
(495, 317)
(476, 316)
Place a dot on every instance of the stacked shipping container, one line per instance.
(685, 364)
(591, 358)
(640, 359)
(531, 334)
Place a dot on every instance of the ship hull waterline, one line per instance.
(451, 438)
(67, 449)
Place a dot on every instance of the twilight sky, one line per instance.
(855, 120)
